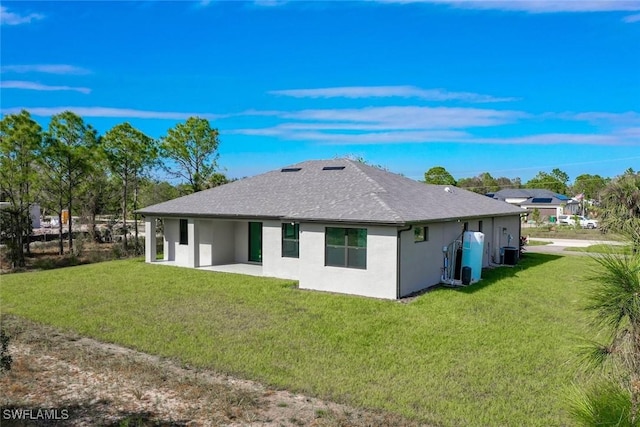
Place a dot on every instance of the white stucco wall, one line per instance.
(503, 227)
(205, 241)
(241, 244)
(226, 241)
(273, 263)
(170, 240)
(377, 280)
(421, 263)
(515, 200)
(151, 248)
(223, 242)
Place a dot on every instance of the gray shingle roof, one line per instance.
(357, 193)
(546, 201)
(534, 196)
(525, 193)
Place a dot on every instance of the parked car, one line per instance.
(584, 222)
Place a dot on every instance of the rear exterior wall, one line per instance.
(421, 263)
(377, 280)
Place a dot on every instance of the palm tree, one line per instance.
(620, 202)
(616, 303)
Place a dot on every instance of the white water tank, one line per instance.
(472, 252)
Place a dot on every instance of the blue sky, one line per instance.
(510, 88)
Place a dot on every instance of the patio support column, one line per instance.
(167, 250)
(169, 238)
(194, 243)
(150, 239)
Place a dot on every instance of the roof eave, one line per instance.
(326, 220)
(466, 218)
(204, 215)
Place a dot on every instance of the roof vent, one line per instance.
(290, 169)
(333, 168)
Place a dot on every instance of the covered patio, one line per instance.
(204, 242)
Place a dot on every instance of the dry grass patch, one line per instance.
(105, 384)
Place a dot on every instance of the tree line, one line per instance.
(557, 181)
(70, 167)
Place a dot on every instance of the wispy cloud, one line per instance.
(390, 92)
(632, 18)
(12, 18)
(628, 118)
(390, 137)
(536, 6)
(614, 138)
(45, 68)
(406, 124)
(110, 112)
(623, 137)
(401, 117)
(379, 125)
(19, 84)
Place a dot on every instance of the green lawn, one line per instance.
(602, 249)
(500, 352)
(568, 232)
(532, 242)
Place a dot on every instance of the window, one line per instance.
(420, 234)
(346, 247)
(480, 226)
(291, 240)
(184, 232)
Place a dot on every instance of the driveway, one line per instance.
(557, 246)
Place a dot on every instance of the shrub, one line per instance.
(603, 404)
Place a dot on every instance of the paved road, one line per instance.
(557, 246)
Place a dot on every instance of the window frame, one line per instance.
(425, 234)
(183, 233)
(349, 262)
(295, 239)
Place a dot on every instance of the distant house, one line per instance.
(548, 203)
(333, 225)
(34, 212)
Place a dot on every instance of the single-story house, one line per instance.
(548, 203)
(334, 225)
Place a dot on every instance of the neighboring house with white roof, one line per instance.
(334, 225)
(548, 203)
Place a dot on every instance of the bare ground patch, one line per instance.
(104, 384)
